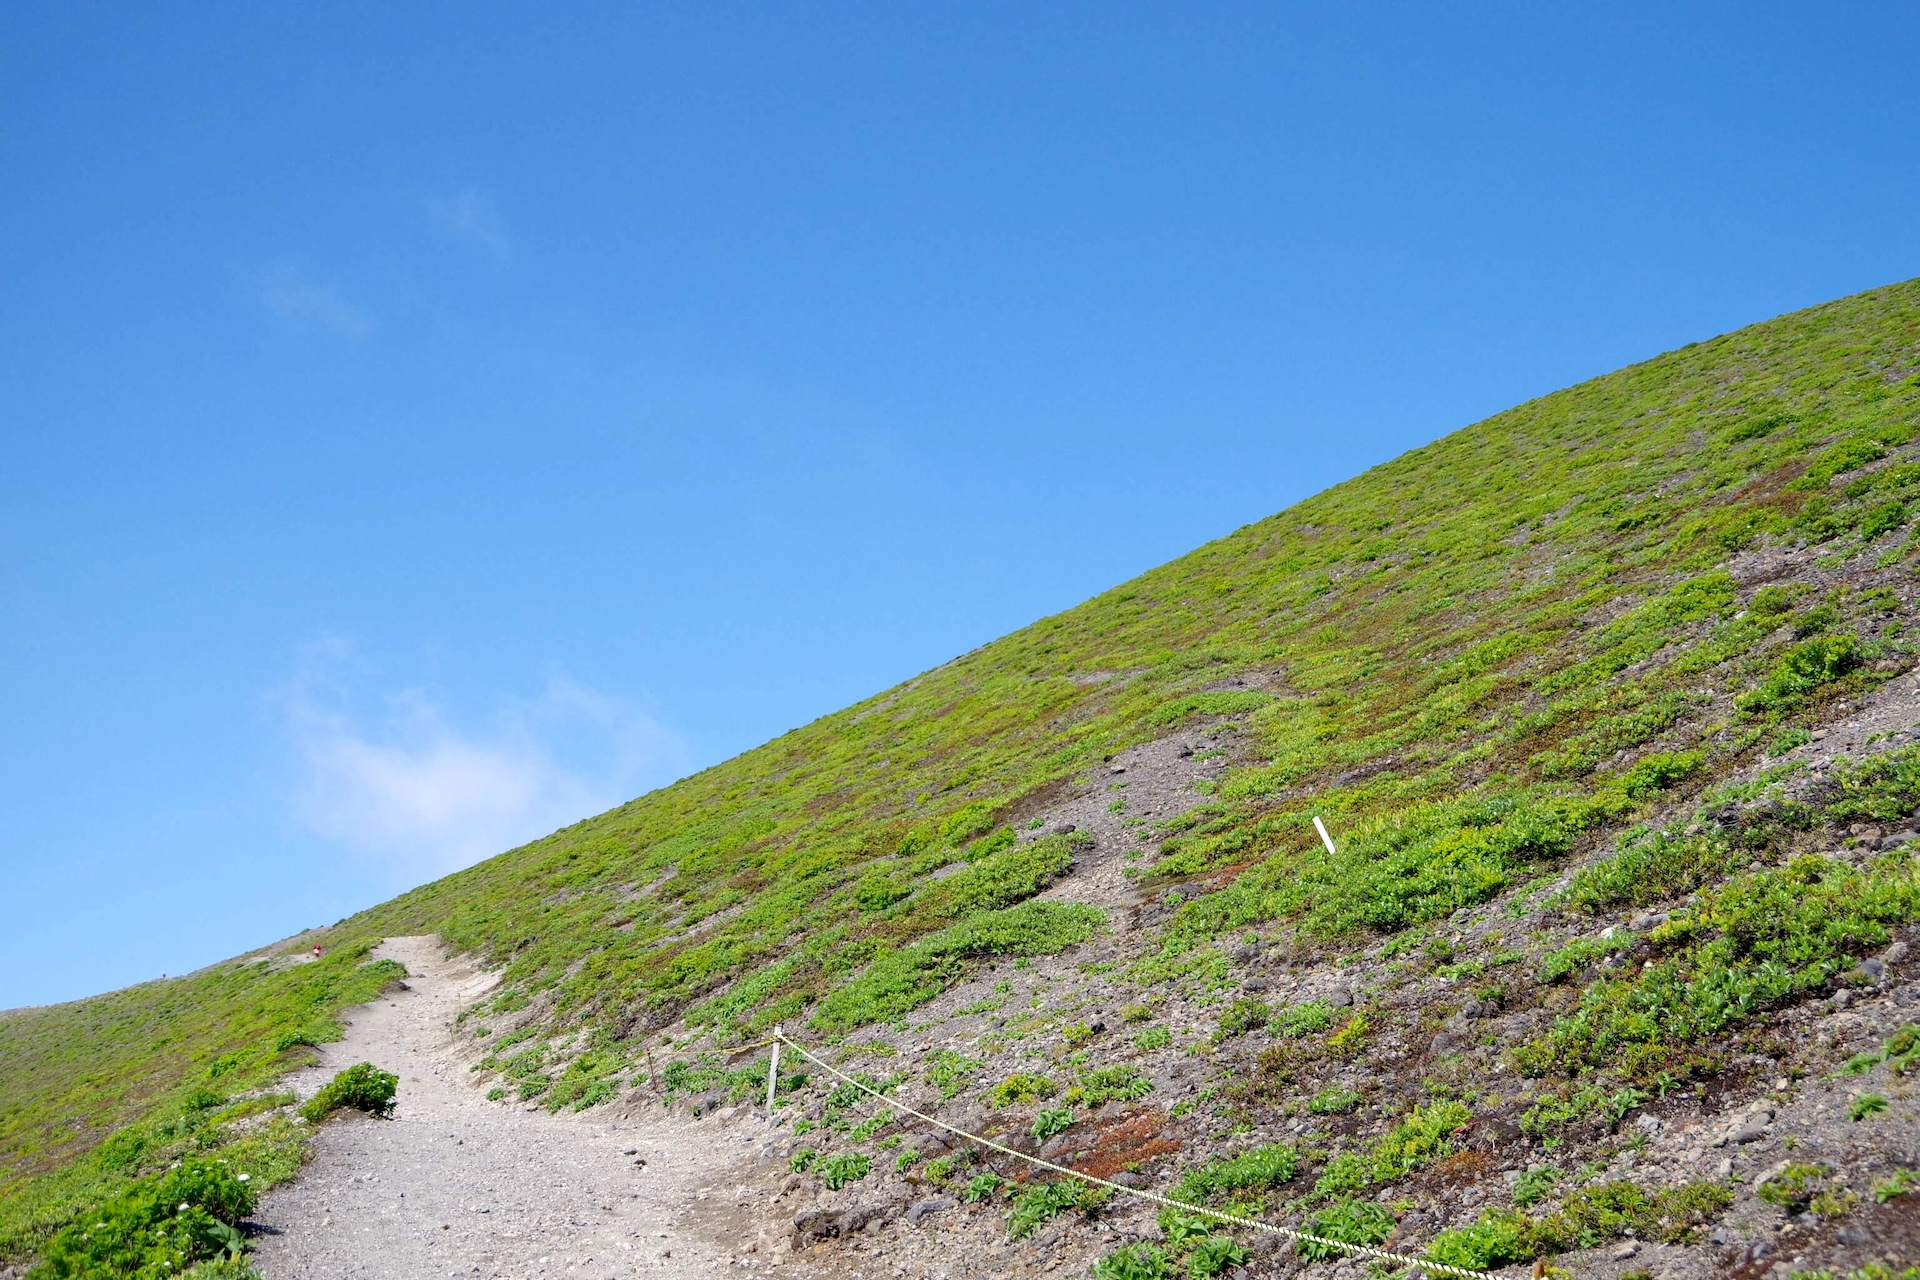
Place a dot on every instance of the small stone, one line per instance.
(1753, 1126)
(1876, 970)
(1339, 997)
(1854, 1234)
(1843, 998)
(1253, 984)
(1896, 953)
(1895, 839)
(1622, 1252)
(938, 1204)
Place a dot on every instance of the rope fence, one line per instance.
(780, 1039)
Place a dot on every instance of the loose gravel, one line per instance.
(454, 1185)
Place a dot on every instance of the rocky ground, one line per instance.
(1782, 1103)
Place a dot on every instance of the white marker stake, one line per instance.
(1325, 839)
(773, 1072)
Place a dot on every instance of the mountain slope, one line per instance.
(1482, 663)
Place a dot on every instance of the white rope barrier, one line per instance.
(1303, 1237)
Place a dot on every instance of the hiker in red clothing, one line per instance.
(317, 952)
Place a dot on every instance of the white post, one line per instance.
(1325, 839)
(773, 1072)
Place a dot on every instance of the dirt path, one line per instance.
(454, 1185)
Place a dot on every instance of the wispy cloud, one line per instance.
(300, 299)
(389, 774)
(471, 216)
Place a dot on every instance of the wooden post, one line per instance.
(1325, 839)
(773, 1072)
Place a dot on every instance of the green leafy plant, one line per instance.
(363, 1087)
(837, 1171)
(1867, 1104)
(1135, 1262)
(1051, 1121)
(982, 1187)
(1023, 1088)
(1349, 1221)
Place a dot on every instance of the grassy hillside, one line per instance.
(1490, 656)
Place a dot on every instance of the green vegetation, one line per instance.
(1135, 1262)
(1333, 1101)
(1023, 1087)
(93, 1097)
(1753, 943)
(983, 1187)
(1237, 1180)
(1110, 1084)
(363, 1086)
(1350, 1221)
(1306, 1019)
(1043, 1200)
(1586, 1218)
(948, 1071)
(1420, 1139)
(1505, 649)
(1050, 1121)
(838, 1170)
(158, 1226)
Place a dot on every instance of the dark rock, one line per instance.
(1895, 839)
(939, 1204)
(1253, 984)
(1128, 1178)
(1339, 997)
(815, 1224)
(1876, 970)
(862, 1217)
(1056, 1146)
(1753, 1126)
(708, 1102)
(1065, 829)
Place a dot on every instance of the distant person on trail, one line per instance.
(318, 951)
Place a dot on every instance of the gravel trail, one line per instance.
(455, 1185)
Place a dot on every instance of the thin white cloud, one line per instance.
(391, 776)
(471, 216)
(300, 299)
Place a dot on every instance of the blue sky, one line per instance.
(421, 426)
